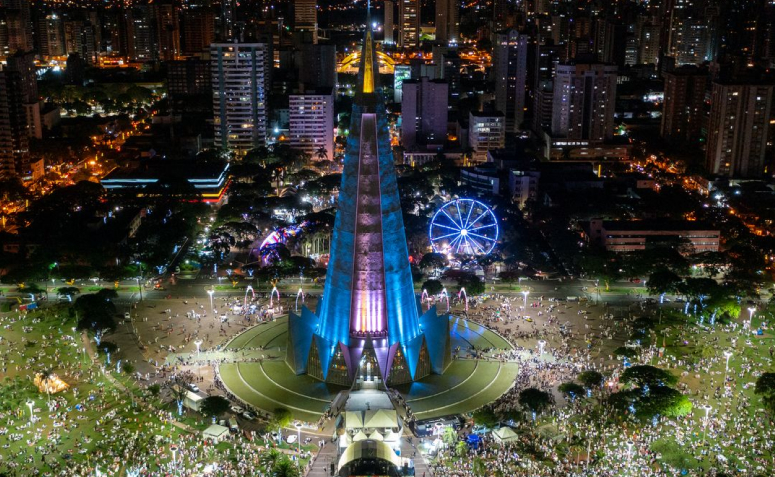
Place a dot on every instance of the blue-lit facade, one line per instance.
(369, 312)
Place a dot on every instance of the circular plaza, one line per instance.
(258, 375)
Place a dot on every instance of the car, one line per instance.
(193, 387)
(237, 409)
(291, 439)
(127, 316)
(248, 415)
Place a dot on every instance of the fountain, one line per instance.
(463, 292)
(299, 294)
(272, 294)
(445, 295)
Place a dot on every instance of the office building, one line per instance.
(424, 109)
(638, 235)
(401, 73)
(584, 100)
(740, 130)
(408, 23)
(510, 70)
(486, 131)
(311, 120)
(682, 109)
(241, 79)
(447, 21)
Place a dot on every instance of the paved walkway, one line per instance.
(322, 465)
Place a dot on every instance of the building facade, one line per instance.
(408, 23)
(241, 75)
(486, 131)
(311, 119)
(424, 112)
(683, 105)
(447, 21)
(510, 70)
(584, 100)
(739, 131)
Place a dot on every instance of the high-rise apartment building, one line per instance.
(311, 119)
(15, 27)
(447, 21)
(51, 35)
(306, 20)
(409, 23)
(583, 101)
(317, 65)
(510, 70)
(544, 67)
(739, 131)
(14, 137)
(486, 131)
(241, 76)
(198, 30)
(23, 65)
(167, 25)
(389, 22)
(683, 105)
(190, 85)
(424, 112)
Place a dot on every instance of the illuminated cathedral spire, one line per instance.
(369, 310)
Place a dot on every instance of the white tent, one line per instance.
(192, 401)
(376, 436)
(504, 434)
(353, 420)
(215, 433)
(360, 436)
(381, 418)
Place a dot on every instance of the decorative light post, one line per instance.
(30, 404)
(541, 344)
(198, 343)
(174, 450)
(210, 292)
(629, 448)
(525, 293)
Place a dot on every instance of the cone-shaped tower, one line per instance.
(369, 310)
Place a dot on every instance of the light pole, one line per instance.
(727, 355)
(525, 293)
(298, 438)
(210, 292)
(174, 450)
(541, 344)
(30, 403)
(751, 311)
(629, 448)
(707, 408)
(198, 343)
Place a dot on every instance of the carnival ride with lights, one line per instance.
(279, 235)
(464, 226)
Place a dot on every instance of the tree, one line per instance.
(281, 417)
(268, 459)
(461, 448)
(68, 291)
(285, 468)
(534, 399)
(645, 375)
(663, 281)
(765, 387)
(431, 261)
(590, 379)
(571, 390)
(649, 402)
(46, 374)
(485, 416)
(96, 310)
(214, 405)
(449, 436)
(433, 287)
(473, 284)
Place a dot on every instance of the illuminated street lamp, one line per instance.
(751, 311)
(629, 448)
(198, 343)
(707, 408)
(30, 403)
(727, 355)
(210, 292)
(298, 437)
(526, 293)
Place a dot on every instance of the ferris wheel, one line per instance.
(464, 226)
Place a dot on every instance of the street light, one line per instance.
(526, 293)
(210, 292)
(727, 355)
(707, 408)
(298, 438)
(198, 343)
(629, 448)
(30, 403)
(751, 311)
(174, 450)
